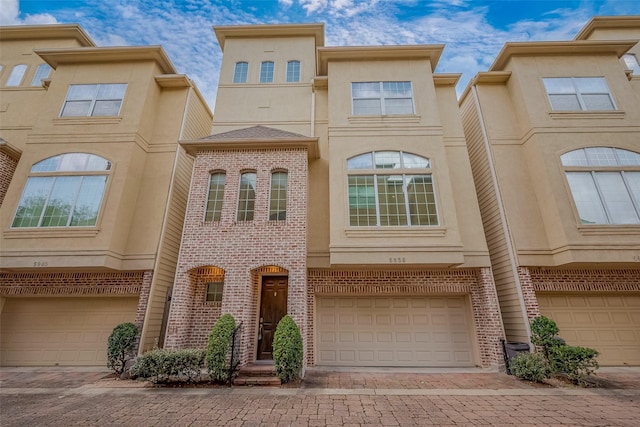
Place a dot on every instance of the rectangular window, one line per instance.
(214, 291)
(93, 100)
(241, 72)
(631, 61)
(17, 74)
(266, 72)
(278, 196)
(293, 71)
(42, 72)
(213, 211)
(247, 196)
(578, 93)
(382, 98)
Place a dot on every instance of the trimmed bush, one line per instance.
(287, 350)
(119, 346)
(170, 365)
(219, 347)
(530, 367)
(578, 363)
(544, 333)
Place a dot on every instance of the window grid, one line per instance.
(278, 196)
(214, 291)
(215, 196)
(241, 72)
(293, 71)
(631, 61)
(390, 198)
(42, 72)
(579, 93)
(93, 100)
(382, 98)
(247, 196)
(266, 72)
(610, 194)
(17, 75)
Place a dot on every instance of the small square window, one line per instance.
(214, 291)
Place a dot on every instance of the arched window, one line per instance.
(17, 74)
(605, 184)
(391, 188)
(278, 196)
(241, 72)
(266, 72)
(293, 71)
(63, 191)
(215, 195)
(247, 196)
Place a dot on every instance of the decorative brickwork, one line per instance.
(583, 280)
(7, 168)
(477, 283)
(245, 250)
(71, 284)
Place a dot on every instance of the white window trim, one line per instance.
(93, 101)
(382, 99)
(579, 94)
(273, 74)
(286, 71)
(233, 77)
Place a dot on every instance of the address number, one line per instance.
(40, 264)
(396, 260)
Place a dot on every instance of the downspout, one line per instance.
(503, 217)
(313, 111)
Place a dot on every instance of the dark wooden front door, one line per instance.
(273, 307)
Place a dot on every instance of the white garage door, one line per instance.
(60, 331)
(608, 323)
(393, 331)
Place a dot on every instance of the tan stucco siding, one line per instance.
(168, 251)
(506, 284)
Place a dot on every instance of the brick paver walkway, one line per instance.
(373, 399)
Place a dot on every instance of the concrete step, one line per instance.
(257, 370)
(257, 381)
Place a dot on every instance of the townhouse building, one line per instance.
(553, 131)
(93, 186)
(336, 188)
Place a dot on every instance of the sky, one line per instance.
(473, 31)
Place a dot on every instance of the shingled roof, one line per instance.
(254, 132)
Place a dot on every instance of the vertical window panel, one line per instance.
(247, 196)
(32, 203)
(89, 200)
(278, 196)
(293, 71)
(391, 200)
(42, 72)
(266, 72)
(17, 74)
(362, 201)
(585, 196)
(241, 72)
(215, 196)
(616, 198)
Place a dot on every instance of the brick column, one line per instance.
(486, 313)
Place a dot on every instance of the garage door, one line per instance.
(62, 331)
(607, 323)
(394, 331)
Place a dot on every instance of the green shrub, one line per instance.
(544, 333)
(218, 348)
(287, 350)
(530, 367)
(119, 346)
(578, 363)
(170, 365)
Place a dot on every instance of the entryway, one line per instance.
(273, 307)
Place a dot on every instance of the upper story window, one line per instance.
(215, 195)
(578, 93)
(605, 184)
(278, 196)
(93, 100)
(42, 72)
(247, 196)
(241, 72)
(631, 61)
(382, 98)
(266, 72)
(293, 71)
(391, 188)
(63, 191)
(17, 74)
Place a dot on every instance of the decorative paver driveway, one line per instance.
(373, 399)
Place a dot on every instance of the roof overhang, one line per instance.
(315, 30)
(10, 150)
(608, 22)
(55, 57)
(308, 143)
(576, 47)
(377, 53)
(44, 32)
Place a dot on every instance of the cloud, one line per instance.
(10, 15)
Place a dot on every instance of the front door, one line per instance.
(273, 307)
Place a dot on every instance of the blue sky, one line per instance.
(473, 31)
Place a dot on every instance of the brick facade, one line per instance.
(7, 168)
(598, 280)
(245, 251)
